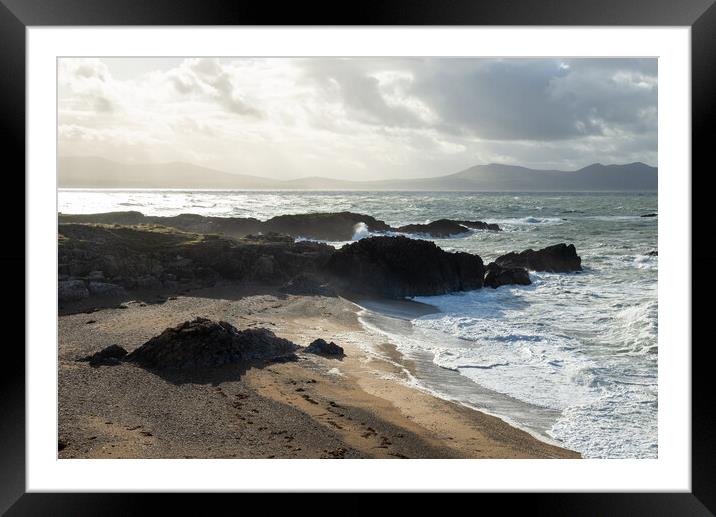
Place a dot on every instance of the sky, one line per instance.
(359, 118)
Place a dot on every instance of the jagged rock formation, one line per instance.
(71, 290)
(334, 226)
(560, 258)
(203, 343)
(106, 260)
(480, 225)
(322, 347)
(396, 267)
(440, 229)
(498, 275)
(144, 257)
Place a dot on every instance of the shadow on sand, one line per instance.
(212, 375)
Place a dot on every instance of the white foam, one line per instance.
(586, 427)
(515, 342)
(360, 231)
(646, 262)
(542, 370)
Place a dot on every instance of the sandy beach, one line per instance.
(359, 406)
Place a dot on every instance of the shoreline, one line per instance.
(408, 310)
(355, 407)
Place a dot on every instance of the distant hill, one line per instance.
(595, 177)
(92, 172)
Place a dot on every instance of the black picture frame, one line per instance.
(700, 15)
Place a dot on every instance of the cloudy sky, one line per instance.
(359, 118)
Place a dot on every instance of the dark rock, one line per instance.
(321, 226)
(270, 237)
(441, 228)
(130, 217)
(203, 343)
(650, 215)
(308, 284)
(338, 226)
(324, 226)
(560, 258)
(264, 268)
(109, 356)
(653, 253)
(105, 289)
(322, 347)
(152, 257)
(480, 225)
(498, 275)
(396, 267)
(148, 256)
(146, 282)
(71, 291)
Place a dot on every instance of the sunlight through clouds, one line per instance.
(359, 118)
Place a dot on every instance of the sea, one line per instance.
(571, 359)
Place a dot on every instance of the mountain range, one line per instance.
(95, 172)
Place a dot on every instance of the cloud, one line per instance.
(208, 77)
(361, 117)
(86, 84)
(496, 99)
(369, 90)
(536, 99)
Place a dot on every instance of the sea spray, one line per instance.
(360, 231)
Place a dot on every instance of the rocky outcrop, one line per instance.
(338, 226)
(322, 347)
(152, 257)
(203, 343)
(396, 267)
(105, 289)
(649, 215)
(443, 228)
(269, 238)
(480, 225)
(440, 229)
(109, 356)
(560, 258)
(108, 260)
(71, 290)
(328, 226)
(653, 253)
(497, 276)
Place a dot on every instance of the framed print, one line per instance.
(445, 248)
